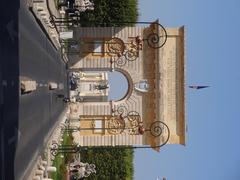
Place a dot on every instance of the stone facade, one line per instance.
(155, 78)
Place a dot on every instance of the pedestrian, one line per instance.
(66, 100)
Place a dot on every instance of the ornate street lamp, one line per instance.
(116, 46)
(122, 121)
(155, 130)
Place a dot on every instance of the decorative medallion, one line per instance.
(116, 125)
(115, 47)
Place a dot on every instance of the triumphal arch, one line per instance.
(151, 57)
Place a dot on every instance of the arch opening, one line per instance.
(98, 86)
(119, 86)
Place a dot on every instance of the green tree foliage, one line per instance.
(111, 163)
(110, 12)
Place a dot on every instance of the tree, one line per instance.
(110, 12)
(111, 163)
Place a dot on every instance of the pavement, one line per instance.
(52, 7)
(42, 12)
(25, 51)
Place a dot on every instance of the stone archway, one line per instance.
(155, 78)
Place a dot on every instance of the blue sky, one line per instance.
(212, 55)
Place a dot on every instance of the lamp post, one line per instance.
(56, 149)
(121, 51)
(154, 40)
(121, 121)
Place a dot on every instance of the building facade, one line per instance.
(153, 110)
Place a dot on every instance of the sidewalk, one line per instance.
(53, 8)
(42, 163)
(43, 10)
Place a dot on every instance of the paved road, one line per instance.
(26, 119)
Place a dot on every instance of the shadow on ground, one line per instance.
(9, 85)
